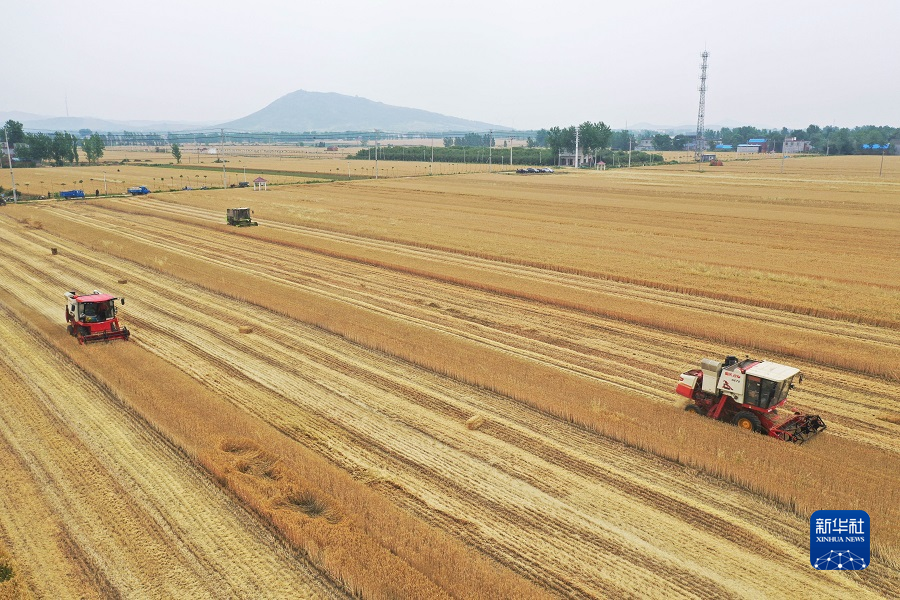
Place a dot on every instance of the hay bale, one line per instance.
(53, 251)
(245, 329)
(474, 422)
(122, 281)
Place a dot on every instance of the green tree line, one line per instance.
(824, 140)
(842, 140)
(592, 137)
(460, 154)
(60, 147)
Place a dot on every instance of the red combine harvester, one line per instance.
(92, 317)
(749, 394)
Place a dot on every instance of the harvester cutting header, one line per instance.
(749, 393)
(92, 317)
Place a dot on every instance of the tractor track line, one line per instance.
(216, 333)
(182, 526)
(448, 256)
(536, 350)
(219, 334)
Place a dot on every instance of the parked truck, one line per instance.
(72, 194)
(138, 191)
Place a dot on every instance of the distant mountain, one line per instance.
(21, 117)
(303, 111)
(32, 122)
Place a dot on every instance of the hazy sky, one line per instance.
(523, 64)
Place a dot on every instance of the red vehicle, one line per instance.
(750, 394)
(92, 317)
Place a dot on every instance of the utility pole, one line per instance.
(510, 151)
(576, 147)
(222, 158)
(376, 154)
(629, 149)
(9, 158)
(432, 154)
(490, 143)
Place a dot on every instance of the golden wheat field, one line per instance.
(457, 386)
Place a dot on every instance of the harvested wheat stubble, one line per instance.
(104, 490)
(316, 507)
(245, 329)
(521, 330)
(484, 367)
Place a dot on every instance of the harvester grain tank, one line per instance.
(239, 217)
(92, 317)
(750, 394)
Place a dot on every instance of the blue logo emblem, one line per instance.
(839, 540)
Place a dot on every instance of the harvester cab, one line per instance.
(239, 217)
(750, 394)
(92, 317)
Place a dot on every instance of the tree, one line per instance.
(559, 139)
(593, 137)
(15, 131)
(679, 141)
(471, 140)
(661, 141)
(62, 148)
(620, 140)
(93, 148)
(35, 148)
(176, 152)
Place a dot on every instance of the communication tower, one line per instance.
(701, 143)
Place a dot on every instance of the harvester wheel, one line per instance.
(747, 420)
(693, 408)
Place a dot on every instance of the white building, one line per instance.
(567, 159)
(794, 146)
(748, 149)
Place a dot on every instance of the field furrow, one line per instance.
(487, 362)
(568, 509)
(145, 521)
(638, 358)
